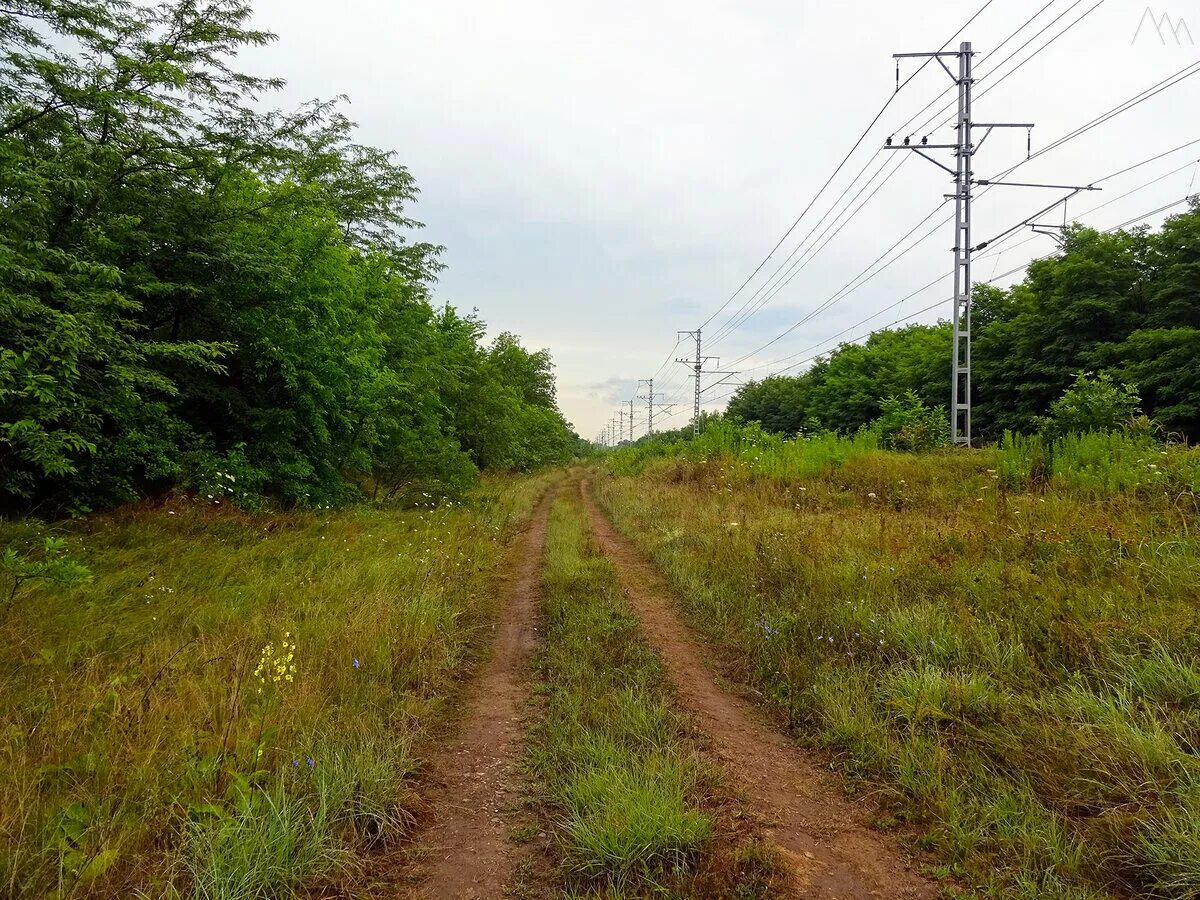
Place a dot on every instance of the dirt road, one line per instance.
(825, 838)
(469, 854)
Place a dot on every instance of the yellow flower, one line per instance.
(275, 665)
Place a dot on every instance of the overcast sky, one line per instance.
(604, 174)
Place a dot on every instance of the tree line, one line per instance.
(1124, 305)
(197, 291)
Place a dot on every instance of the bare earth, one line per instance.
(469, 854)
(823, 835)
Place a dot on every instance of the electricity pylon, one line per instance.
(697, 367)
(649, 398)
(964, 149)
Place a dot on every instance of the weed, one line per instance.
(235, 702)
(615, 762)
(1002, 642)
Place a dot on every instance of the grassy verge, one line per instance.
(1015, 669)
(622, 785)
(234, 703)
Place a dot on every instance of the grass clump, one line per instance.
(619, 777)
(1001, 643)
(234, 703)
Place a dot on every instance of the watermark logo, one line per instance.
(1165, 27)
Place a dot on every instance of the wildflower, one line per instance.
(311, 762)
(355, 663)
(276, 666)
(871, 495)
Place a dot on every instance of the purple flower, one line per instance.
(295, 762)
(311, 763)
(356, 664)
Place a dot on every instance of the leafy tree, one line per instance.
(843, 391)
(1124, 302)
(190, 285)
(51, 564)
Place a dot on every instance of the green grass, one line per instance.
(620, 779)
(1013, 665)
(141, 755)
(612, 756)
(1100, 464)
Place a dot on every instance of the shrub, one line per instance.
(52, 565)
(906, 423)
(1092, 403)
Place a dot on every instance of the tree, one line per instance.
(843, 392)
(189, 284)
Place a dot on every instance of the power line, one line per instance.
(771, 291)
(774, 284)
(838, 169)
(1124, 106)
(1093, 209)
(850, 286)
(995, 278)
(731, 324)
(1138, 218)
(994, 84)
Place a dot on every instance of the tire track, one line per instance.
(469, 854)
(823, 836)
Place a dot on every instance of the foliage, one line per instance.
(906, 423)
(1092, 403)
(191, 284)
(844, 391)
(1100, 463)
(51, 565)
(1122, 302)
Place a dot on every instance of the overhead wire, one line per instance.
(1143, 95)
(887, 103)
(743, 315)
(1138, 218)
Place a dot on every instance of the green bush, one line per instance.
(1092, 403)
(906, 423)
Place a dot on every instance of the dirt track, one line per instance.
(469, 854)
(824, 836)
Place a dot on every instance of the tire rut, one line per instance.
(468, 852)
(823, 836)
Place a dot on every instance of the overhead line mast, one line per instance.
(649, 398)
(697, 367)
(964, 149)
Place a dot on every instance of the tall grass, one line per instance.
(613, 758)
(1100, 463)
(141, 752)
(1014, 669)
(756, 451)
